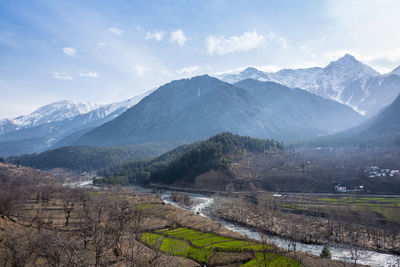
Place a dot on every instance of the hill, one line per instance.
(203, 164)
(84, 158)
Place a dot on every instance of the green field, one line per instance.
(201, 247)
(385, 208)
(273, 260)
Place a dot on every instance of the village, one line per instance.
(375, 171)
(371, 172)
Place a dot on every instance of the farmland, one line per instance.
(207, 247)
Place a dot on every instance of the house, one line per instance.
(340, 188)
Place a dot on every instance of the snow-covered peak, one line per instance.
(350, 66)
(332, 81)
(116, 108)
(57, 111)
(248, 73)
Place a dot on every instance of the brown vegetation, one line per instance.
(276, 216)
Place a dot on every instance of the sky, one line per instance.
(107, 51)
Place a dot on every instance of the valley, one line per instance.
(207, 133)
(84, 226)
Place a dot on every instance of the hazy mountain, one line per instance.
(396, 71)
(7, 125)
(301, 108)
(197, 108)
(248, 73)
(49, 125)
(382, 129)
(53, 112)
(186, 110)
(346, 80)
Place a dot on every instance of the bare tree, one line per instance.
(67, 197)
(16, 248)
(46, 247)
(354, 249)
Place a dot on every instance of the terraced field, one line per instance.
(212, 249)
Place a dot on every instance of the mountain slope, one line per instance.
(301, 108)
(187, 110)
(194, 109)
(346, 80)
(382, 130)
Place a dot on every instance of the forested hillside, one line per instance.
(85, 158)
(185, 163)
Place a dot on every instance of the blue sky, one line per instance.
(107, 51)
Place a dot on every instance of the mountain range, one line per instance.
(346, 80)
(287, 105)
(194, 109)
(56, 124)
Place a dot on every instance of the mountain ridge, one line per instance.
(194, 109)
(346, 80)
(47, 135)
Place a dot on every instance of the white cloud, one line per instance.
(273, 37)
(187, 70)
(139, 28)
(69, 51)
(89, 75)
(116, 31)
(178, 37)
(156, 35)
(166, 72)
(140, 70)
(221, 45)
(101, 44)
(367, 26)
(61, 76)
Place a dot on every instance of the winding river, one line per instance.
(339, 252)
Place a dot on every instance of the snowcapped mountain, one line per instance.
(67, 110)
(56, 111)
(115, 109)
(345, 80)
(248, 73)
(7, 125)
(51, 124)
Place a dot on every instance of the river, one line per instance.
(339, 252)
